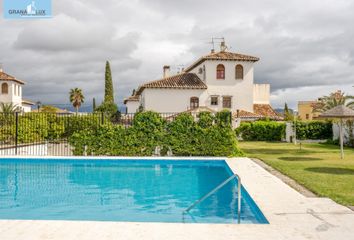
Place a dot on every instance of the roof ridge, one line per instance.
(169, 77)
(7, 77)
(182, 80)
(222, 55)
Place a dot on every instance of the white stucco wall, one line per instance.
(26, 108)
(240, 90)
(261, 93)
(14, 94)
(168, 100)
(132, 106)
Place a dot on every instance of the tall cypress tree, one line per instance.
(108, 88)
(286, 109)
(93, 104)
(287, 114)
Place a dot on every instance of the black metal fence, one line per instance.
(46, 134)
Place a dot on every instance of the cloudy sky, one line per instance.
(305, 46)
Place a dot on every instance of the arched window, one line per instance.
(220, 72)
(239, 72)
(4, 88)
(194, 102)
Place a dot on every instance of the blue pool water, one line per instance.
(120, 190)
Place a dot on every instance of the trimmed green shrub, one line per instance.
(184, 136)
(223, 118)
(314, 130)
(261, 131)
(206, 119)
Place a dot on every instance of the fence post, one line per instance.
(16, 133)
(102, 117)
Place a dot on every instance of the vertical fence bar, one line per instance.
(16, 132)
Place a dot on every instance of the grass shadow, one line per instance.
(331, 170)
(278, 151)
(300, 159)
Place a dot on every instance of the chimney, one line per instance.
(223, 46)
(166, 71)
(213, 50)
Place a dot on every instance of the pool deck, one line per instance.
(290, 214)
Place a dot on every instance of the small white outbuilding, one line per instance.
(11, 92)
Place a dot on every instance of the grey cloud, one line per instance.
(298, 46)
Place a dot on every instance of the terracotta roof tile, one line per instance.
(266, 111)
(246, 114)
(179, 81)
(223, 56)
(6, 77)
(134, 98)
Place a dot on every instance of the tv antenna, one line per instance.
(220, 40)
(180, 68)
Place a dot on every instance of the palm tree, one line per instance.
(8, 108)
(76, 98)
(334, 99)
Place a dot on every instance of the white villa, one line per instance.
(219, 80)
(11, 92)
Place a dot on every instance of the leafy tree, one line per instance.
(107, 108)
(335, 99)
(48, 109)
(108, 88)
(76, 98)
(223, 118)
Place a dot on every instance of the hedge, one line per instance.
(314, 130)
(185, 136)
(37, 127)
(261, 131)
(275, 131)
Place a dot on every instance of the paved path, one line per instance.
(291, 216)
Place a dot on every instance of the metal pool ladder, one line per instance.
(215, 190)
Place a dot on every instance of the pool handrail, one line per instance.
(239, 185)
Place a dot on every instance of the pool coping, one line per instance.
(290, 214)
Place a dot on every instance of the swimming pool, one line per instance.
(141, 190)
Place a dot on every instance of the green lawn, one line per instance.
(318, 167)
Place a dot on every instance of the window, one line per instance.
(226, 102)
(194, 102)
(307, 116)
(4, 88)
(239, 72)
(214, 100)
(220, 72)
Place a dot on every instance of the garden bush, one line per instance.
(184, 136)
(261, 131)
(314, 130)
